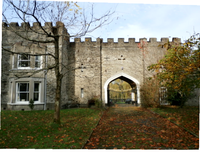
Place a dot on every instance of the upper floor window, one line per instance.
(24, 61)
(38, 60)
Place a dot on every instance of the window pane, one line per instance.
(36, 94)
(24, 63)
(38, 61)
(36, 97)
(38, 58)
(23, 96)
(36, 86)
(24, 60)
(24, 57)
(37, 64)
(23, 87)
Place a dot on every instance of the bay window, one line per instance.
(22, 90)
(36, 94)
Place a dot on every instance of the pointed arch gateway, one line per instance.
(125, 76)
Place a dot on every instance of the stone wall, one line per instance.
(87, 66)
(96, 62)
(17, 44)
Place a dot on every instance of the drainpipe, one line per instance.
(101, 69)
(45, 80)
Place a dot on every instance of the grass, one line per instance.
(34, 129)
(187, 116)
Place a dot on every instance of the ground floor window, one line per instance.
(24, 89)
(36, 96)
(22, 92)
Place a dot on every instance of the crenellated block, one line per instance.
(131, 40)
(110, 40)
(48, 24)
(176, 40)
(142, 39)
(77, 39)
(165, 40)
(120, 40)
(59, 24)
(152, 40)
(36, 25)
(14, 25)
(25, 25)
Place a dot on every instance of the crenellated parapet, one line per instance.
(131, 41)
(35, 26)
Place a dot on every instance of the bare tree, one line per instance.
(66, 15)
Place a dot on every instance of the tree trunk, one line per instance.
(58, 83)
(57, 100)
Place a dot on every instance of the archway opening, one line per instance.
(122, 90)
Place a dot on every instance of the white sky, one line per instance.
(151, 18)
(147, 18)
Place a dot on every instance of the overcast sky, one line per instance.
(147, 18)
(140, 19)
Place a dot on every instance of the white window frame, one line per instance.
(17, 92)
(82, 92)
(38, 61)
(18, 60)
(39, 92)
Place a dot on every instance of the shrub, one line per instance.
(31, 104)
(176, 98)
(95, 101)
(150, 93)
(98, 103)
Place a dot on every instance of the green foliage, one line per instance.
(174, 98)
(150, 93)
(31, 104)
(179, 70)
(34, 129)
(98, 103)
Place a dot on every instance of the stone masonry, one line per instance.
(88, 67)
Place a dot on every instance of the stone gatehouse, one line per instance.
(88, 67)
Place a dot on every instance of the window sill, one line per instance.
(25, 69)
(24, 104)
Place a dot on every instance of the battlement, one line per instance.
(36, 25)
(110, 41)
(130, 40)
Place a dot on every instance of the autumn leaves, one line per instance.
(137, 128)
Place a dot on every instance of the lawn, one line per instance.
(188, 116)
(34, 129)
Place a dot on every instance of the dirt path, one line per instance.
(128, 127)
